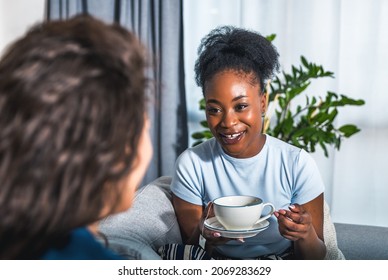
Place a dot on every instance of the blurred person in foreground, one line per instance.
(74, 140)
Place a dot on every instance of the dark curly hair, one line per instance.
(72, 109)
(232, 48)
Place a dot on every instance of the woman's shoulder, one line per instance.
(204, 150)
(286, 150)
(281, 146)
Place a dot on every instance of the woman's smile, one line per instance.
(230, 139)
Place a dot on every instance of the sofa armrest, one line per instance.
(330, 236)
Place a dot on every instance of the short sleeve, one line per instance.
(308, 182)
(186, 182)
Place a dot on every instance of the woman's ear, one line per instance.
(264, 104)
(265, 98)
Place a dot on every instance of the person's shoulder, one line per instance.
(205, 149)
(80, 245)
(205, 146)
(287, 151)
(281, 146)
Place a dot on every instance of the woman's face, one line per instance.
(234, 107)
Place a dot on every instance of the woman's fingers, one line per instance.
(294, 223)
(209, 211)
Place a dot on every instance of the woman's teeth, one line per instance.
(232, 136)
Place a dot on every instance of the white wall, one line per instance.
(16, 16)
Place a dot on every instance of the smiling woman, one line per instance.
(232, 68)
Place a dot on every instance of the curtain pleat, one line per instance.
(84, 6)
(117, 8)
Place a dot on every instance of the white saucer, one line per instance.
(214, 225)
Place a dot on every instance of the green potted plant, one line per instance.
(306, 125)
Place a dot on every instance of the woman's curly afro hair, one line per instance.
(232, 48)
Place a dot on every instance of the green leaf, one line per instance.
(332, 115)
(297, 90)
(197, 143)
(288, 125)
(207, 134)
(204, 124)
(323, 146)
(288, 77)
(304, 61)
(202, 104)
(349, 129)
(320, 118)
(271, 37)
(337, 143)
(295, 71)
(282, 102)
(348, 101)
(198, 135)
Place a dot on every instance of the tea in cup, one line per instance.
(240, 212)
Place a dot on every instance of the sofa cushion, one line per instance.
(362, 242)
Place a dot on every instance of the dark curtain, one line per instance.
(158, 23)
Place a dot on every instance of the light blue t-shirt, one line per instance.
(281, 174)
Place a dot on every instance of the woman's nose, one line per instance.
(229, 119)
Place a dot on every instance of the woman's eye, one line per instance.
(212, 110)
(241, 107)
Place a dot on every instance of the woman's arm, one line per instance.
(303, 224)
(189, 217)
(191, 220)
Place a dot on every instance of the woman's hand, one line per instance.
(213, 238)
(192, 227)
(303, 224)
(295, 223)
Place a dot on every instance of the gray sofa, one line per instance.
(150, 223)
(359, 242)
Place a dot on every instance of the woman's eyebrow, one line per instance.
(239, 97)
(213, 101)
(233, 100)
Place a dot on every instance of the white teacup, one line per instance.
(240, 212)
